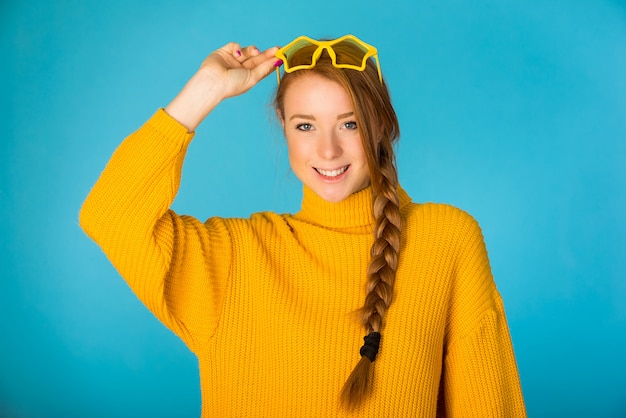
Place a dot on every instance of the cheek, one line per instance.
(296, 153)
(357, 149)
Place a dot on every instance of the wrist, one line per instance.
(196, 100)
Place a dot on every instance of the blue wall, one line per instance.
(513, 110)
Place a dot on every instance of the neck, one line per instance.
(355, 213)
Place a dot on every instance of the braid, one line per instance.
(382, 267)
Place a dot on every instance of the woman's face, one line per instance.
(324, 142)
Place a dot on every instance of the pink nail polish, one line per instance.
(238, 53)
(278, 63)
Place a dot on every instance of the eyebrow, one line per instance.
(311, 117)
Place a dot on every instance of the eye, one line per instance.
(304, 126)
(350, 125)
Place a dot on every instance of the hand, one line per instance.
(237, 69)
(227, 72)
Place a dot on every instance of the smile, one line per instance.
(332, 173)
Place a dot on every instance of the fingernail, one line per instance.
(278, 63)
(238, 53)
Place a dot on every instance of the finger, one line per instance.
(267, 65)
(260, 57)
(244, 54)
(233, 48)
(250, 51)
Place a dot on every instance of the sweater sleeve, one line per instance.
(480, 377)
(169, 261)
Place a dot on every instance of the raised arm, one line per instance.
(162, 255)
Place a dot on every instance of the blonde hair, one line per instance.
(379, 129)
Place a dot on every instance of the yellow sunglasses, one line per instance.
(303, 52)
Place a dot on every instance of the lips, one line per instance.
(332, 173)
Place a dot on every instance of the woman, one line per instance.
(268, 303)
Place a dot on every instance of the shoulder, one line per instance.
(257, 223)
(439, 215)
(441, 226)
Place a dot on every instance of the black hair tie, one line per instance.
(370, 348)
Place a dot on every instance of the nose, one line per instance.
(329, 146)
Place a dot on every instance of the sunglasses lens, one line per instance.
(301, 53)
(350, 52)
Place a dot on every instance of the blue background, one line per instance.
(512, 110)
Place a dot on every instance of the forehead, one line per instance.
(312, 93)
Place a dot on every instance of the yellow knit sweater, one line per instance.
(267, 303)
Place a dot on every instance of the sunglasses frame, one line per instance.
(371, 51)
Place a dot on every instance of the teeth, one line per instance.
(332, 173)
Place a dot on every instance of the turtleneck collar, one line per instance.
(352, 212)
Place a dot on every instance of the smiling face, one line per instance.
(325, 149)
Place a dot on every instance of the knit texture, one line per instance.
(268, 303)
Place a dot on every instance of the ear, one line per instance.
(379, 133)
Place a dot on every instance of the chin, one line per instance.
(336, 199)
(333, 197)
